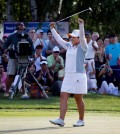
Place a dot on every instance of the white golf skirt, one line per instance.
(75, 83)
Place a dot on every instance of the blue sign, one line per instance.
(10, 27)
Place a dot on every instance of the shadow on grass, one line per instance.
(32, 129)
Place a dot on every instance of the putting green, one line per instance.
(21, 123)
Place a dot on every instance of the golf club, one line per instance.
(88, 9)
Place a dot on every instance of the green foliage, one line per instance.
(2, 10)
(21, 10)
(104, 18)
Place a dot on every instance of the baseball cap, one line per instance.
(43, 62)
(87, 33)
(56, 49)
(65, 36)
(5, 35)
(75, 33)
(39, 31)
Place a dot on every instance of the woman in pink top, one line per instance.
(3, 77)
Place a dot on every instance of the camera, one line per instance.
(23, 47)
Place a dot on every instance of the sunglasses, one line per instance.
(32, 32)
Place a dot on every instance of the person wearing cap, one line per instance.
(40, 40)
(44, 76)
(38, 56)
(56, 64)
(65, 37)
(13, 40)
(75, 80)
(52, 43)
(112, 52)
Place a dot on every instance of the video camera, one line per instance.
(23, 47)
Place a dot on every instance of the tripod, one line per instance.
(23, 63)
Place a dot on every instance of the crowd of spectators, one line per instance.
(102, 63)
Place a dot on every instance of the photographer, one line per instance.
(10, 46)
(105, 74)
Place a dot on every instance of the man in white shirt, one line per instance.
(40, 40)
(92, 47)
(95, 35)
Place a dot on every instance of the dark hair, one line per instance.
(18, 24)
(99, 38)
(49, 31)
(112, 35)
(39, 46)
(32, 64)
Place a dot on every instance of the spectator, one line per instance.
(91, 78)
(44, 76)
(3, 76)
(28, 81)
(40, 40)
(56, 63)
(108, 89)
(95, 35)
(4, 38)
(106, 41)
(50, 37)
(32, 35)
(105, 74)
(112, 54)
(92, 48)
(38, 56)
(52, 44)
(65, 37)
(4, 61)
(99, 55)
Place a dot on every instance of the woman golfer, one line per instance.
(75, 81)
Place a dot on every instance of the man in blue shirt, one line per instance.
(112, 54)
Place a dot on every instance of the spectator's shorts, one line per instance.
(12, 67)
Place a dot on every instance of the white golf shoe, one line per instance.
(79, 123)
(58, 122)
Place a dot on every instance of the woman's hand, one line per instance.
(52, 25)
(80, 21)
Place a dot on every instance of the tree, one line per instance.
(104, 18)
(2, 10)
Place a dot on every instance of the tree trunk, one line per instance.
(33, 10)
(9, 10)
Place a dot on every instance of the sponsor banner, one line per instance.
(62, 27)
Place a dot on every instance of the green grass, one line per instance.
(94, 103)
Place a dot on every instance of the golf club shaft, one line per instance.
(73, 15)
